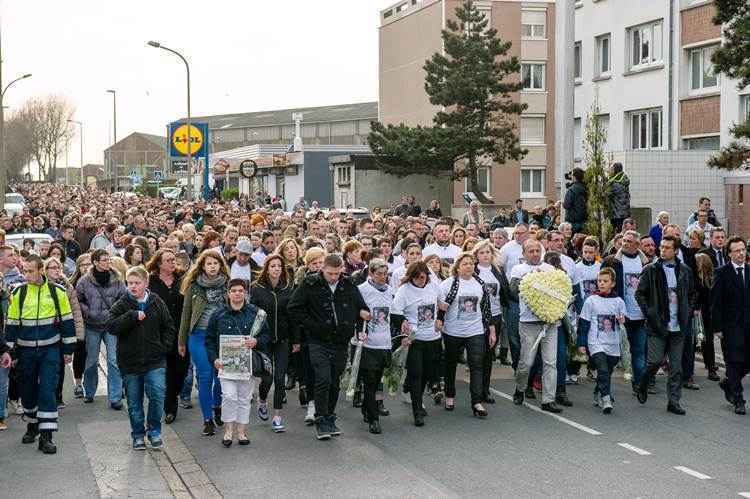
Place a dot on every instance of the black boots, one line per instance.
(32, 430)
(46, 444)
(561, 397)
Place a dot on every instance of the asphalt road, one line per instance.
(638, 451)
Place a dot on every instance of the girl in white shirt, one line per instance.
(414, 310)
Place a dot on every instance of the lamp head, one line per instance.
(27, 75)
(112, 91)
(154, 44)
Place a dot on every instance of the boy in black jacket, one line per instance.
(328, 306)
(145, 331)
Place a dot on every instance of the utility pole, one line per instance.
(114, 141)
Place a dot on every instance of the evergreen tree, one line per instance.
(596, 180)
(733, 60)
(476, 126)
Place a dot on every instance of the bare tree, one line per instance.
(48, 127)
(18, 148)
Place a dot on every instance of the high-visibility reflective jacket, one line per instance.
(39, 324)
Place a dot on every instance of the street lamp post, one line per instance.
(3, 169)
(114, 141)
(80, 124)
(187, 69)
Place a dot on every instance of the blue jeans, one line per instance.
(4, 372)
(512, 315)
(637, 339)
(209, 388)
(187, 385)
(91, 372)
(154, 384)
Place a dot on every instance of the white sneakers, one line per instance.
(607, 405)
(310, 416)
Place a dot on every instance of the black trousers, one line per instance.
(308, 371)
(279, 352)
(371, 367)
(489, 357)
(421, 366)
(475, 350)
(328, 362)
(79, 359)
(177, 368)
(735, 372)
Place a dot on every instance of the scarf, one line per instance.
(207, 282)
(379, 287)
(101, 278)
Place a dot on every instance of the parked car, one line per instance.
(18, 239)
(14, 203)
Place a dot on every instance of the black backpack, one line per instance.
(55, 300)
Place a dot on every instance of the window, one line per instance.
(344, 177)
(532, 181)
(645, 129)
(702, 143)
(604, 123)
(533, 24)
(645, 44)
(577, 61)
(577, 142)
(701, 68)
(483, 180)
(602, 54)
(744, 108)
(532, 130)
(533, 76)
(402, 7)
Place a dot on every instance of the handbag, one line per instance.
(262, 364)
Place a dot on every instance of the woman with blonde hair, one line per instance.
(469, 244)
(704, 279)
(464, 323)
(290, 254)
(120, 266)
(204, 289)
(53, 269)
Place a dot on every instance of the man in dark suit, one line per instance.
(730, 309)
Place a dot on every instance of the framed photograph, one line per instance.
(236, 358)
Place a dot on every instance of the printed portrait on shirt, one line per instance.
(672, 296)
(492, 288)
(380, 316)
(467, 306)
(606, 323)
(425, 314)
(632, 280)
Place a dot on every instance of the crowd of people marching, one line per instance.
(161, 284)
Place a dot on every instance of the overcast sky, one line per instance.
(244, 55)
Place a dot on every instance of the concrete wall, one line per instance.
(672, 181)
(318, 180)
(375, 188)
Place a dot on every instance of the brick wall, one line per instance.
(700, 115)
(697, 24)
(738, 209)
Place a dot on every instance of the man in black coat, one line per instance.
(664, 295)
(730, 311)
(327, 305)
(575, 201)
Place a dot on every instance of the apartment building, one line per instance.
(409, 35)
(648, 64)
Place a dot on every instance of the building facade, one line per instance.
(410, 33)
(345, 124)
(139, 153)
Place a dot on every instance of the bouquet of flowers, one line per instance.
(625, 358)
(698, 328)
(547, 294)
(351, 373)
(395, 374)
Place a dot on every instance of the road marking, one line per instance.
(744, 494)
(693, 473)
(567, 421)
(635, 449)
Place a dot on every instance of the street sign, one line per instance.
(158, 175)
(180, 142)
(133, 173)
(136, 179)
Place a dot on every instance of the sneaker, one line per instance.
(278, 425)
(310, 416)
(322, 429)
(607, 404)
(208, 428)
(139, 444)
(78, 392)
(3, 424)
(335, 431)
(263, 412)
(186, 404)
(116, 406)
(568, 379)
(88, 400)
(597, 400)
(574, 379)
(217, 417)
(156, 442)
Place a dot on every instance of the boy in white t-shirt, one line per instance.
(599, 333)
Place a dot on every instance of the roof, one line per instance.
(155, 139)
(342, 112)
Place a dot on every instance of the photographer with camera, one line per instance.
(575, 200)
